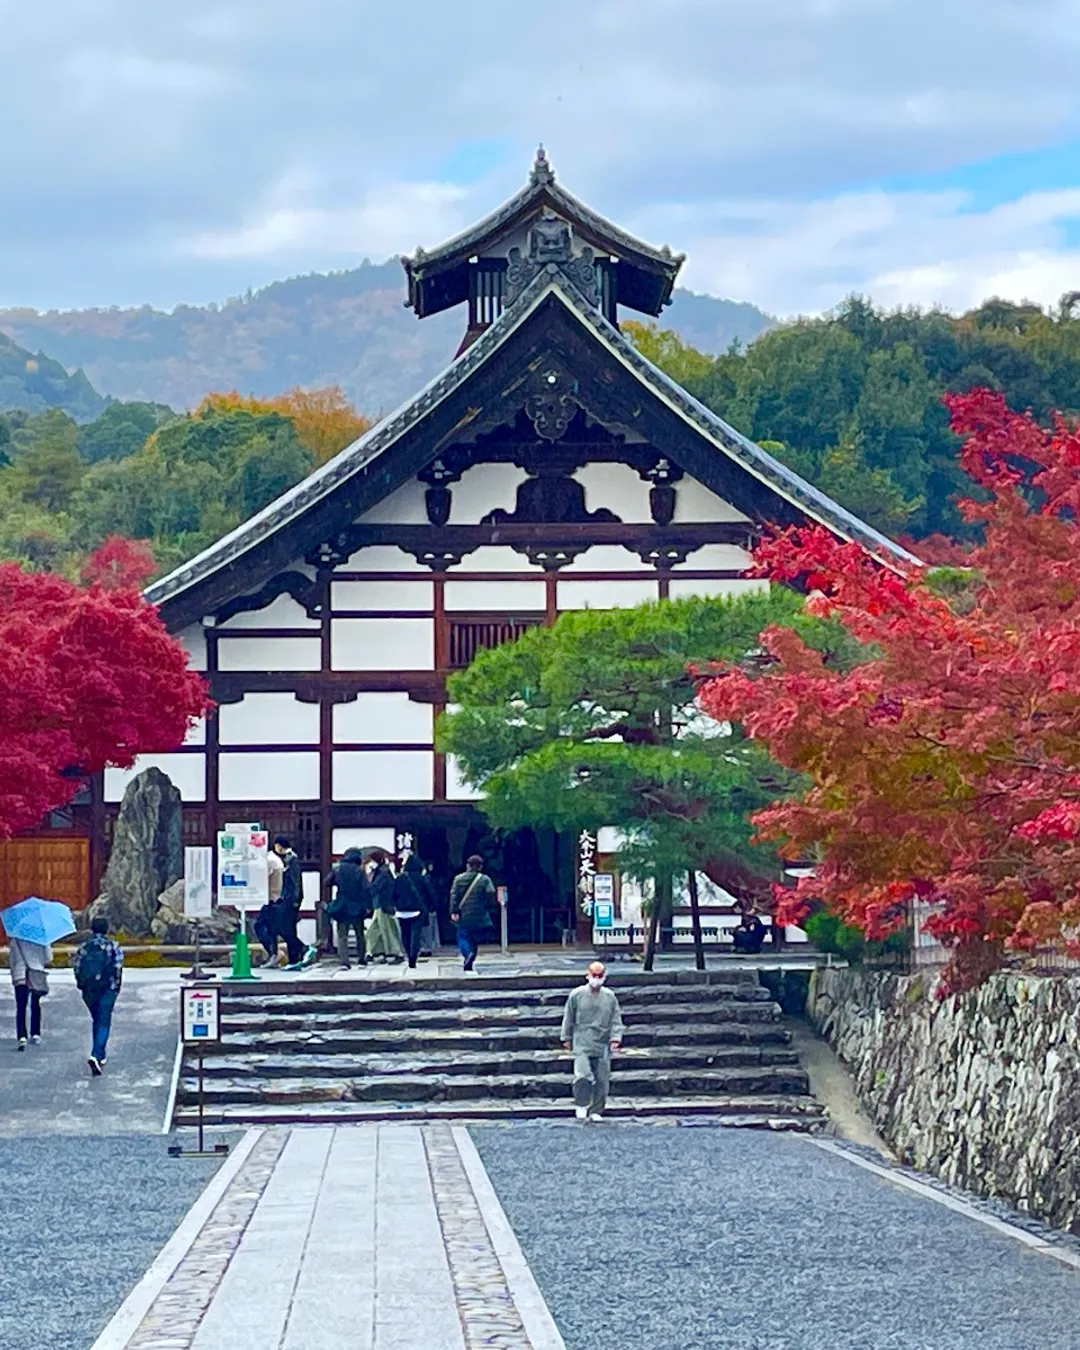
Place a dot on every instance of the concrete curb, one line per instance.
(125, 1321)
(174, 1086)
(536, 1318)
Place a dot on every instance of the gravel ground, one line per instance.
(704, 1239)
(83, 1218)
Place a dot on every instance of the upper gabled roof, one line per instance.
(363, 460)
(656, 268)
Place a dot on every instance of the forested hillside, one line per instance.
(33, 382)
(348, 329)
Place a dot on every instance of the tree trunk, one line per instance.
(695, 919)
(650, 939)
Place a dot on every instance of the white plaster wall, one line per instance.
(456, 790)
(606, 558)
(383, 775)
(502, 596)
(284, 612)
(381, 558)
(382, 644)
(496, 558)
(711, 586)
(193, 641)
(256, 653)
(404, 506)
(291, 775)
(187, 772)
(718, 557)
(484, 488)
(383, 717)
(196, 734)
(268, 719)
(365, 836)
(605, 594)
(618, 488)
(418, 594)
(609, 839)
(695, 504)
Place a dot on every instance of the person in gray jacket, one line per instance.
(27, 962)
(592, 1027)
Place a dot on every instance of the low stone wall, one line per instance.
(982, 1091)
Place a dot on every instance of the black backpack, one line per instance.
(95, 968)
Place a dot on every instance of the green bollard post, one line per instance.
(241, 957)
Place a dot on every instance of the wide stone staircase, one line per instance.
(323, 1050)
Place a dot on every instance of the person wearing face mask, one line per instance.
(592, 1027)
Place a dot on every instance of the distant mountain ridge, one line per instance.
(34, 382)
(347, 328)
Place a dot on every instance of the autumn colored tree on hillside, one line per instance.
(946, 766)
(91, 677)
(324, 419)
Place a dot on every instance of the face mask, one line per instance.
(595, 981)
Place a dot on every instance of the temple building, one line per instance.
(549, 467)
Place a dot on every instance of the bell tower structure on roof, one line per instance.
(490, 265)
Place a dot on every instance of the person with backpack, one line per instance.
(472, 908)
(99, 972)
(27, 962)
(350, 905)
(413, 902)
(287, 908)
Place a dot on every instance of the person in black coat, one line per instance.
(351, 904)
(413, 902)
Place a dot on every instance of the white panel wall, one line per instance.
(381, 558)
(496, 558)
(504, 596)
(256, 653)
(718, 557)
(193, 641)
(682, 590)
(456, 790)
(606, 594)
(606, 558)
(405, 506)
(268, 719)
(484, 488)
(291, 775)
(284, 612)
(618, 488)
(383, 775)
(388, 718)
(187, 772)
(391, 595)
(197, 734)
(695, 503)
(382, 644)
(381, 836)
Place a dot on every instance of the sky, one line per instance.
(917, 151)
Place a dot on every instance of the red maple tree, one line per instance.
(90, 677)
(945, 766)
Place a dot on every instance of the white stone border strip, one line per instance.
(174, 1085)
(128, 1317)
(532, 1309)
(958, 1206)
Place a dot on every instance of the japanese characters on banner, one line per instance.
(586, 871)
(243, 873)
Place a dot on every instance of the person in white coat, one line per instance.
(27, 962)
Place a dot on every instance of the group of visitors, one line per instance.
(99, 970)
(277, 921)
(392, 916)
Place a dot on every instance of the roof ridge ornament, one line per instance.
(542, 174)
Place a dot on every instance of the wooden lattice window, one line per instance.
(469, 636)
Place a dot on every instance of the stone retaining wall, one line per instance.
(982, 1091)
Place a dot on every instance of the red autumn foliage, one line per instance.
(947, 765)
(91, 677)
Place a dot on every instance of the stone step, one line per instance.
(258, 1022)
(448, 1041)
(788, 1112)
(300, 1064)
(667, 1082)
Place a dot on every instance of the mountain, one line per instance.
(346, 328)
(36, 383)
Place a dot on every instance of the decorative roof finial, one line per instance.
(542, 172)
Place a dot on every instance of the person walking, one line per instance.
(27, 962)
(266, 921)
(287, 908)
(383, 934)
(472, 908)
(592, 1027)
(350, 905)
(413, 902)
(99, 972)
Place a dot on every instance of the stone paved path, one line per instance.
(367, 1237)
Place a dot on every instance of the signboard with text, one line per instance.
(243, 874)
(198, 883)
(200, 1015)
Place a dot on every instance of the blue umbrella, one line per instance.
(36, 920)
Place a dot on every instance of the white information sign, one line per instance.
(198, 883)
(242, 867)
(200, 1015)
(603, 886)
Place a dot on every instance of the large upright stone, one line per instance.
(147, 854)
